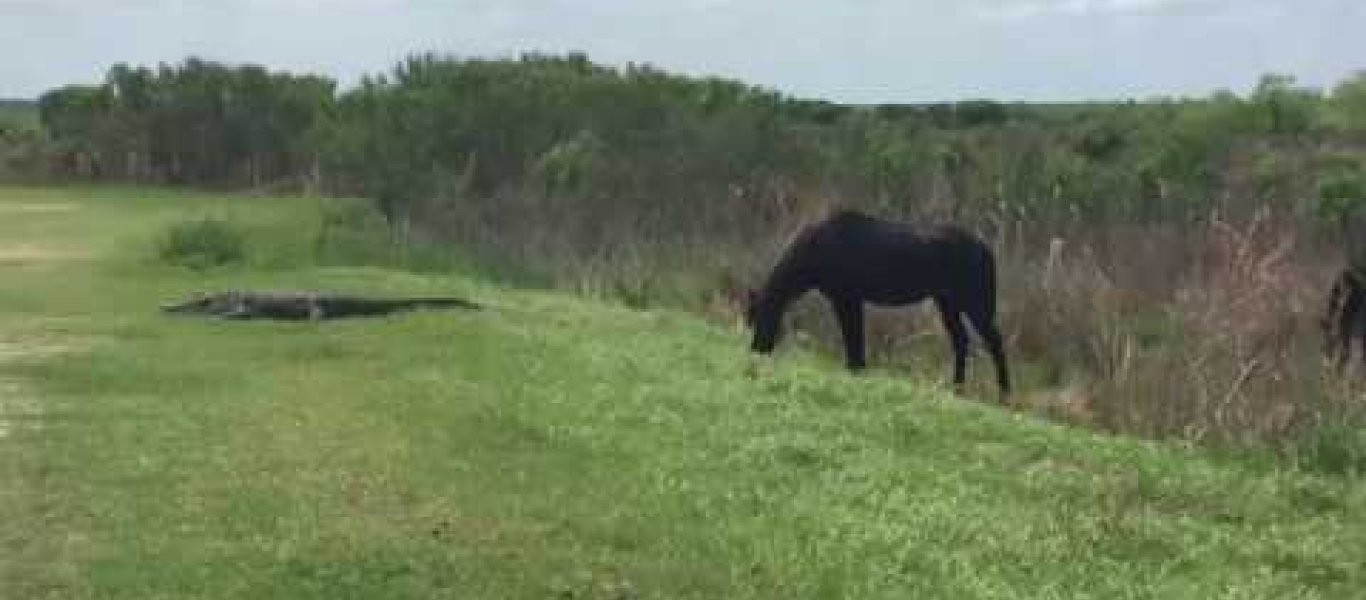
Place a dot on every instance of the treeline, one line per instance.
(199, 122)
(560, 137)
(22, 149)
(564, 127)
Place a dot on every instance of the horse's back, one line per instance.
(860, 238)
(891, 262)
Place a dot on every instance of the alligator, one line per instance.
(301, 306)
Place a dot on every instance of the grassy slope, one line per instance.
(551, 447)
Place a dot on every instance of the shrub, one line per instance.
(202, 244)
(1338, 449)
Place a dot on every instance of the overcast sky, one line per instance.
(846, 50)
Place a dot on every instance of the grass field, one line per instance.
(550, 447)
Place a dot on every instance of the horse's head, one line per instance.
(751, 300)
(765, 319)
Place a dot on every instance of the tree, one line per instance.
(1280, 108)
(1348, 104)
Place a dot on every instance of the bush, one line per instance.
(1338, 449)
(202, 244)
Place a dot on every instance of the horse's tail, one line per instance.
(1337, 296)
(1344, 303)
(989, 284)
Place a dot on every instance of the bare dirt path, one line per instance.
(34, 255)
(37, 207)
(41, 242)
(20, 408)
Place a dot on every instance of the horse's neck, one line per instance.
(788, 280)
(778, 294)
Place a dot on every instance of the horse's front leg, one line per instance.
(850, 315)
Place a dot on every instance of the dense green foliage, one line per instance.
(21, 140)
(18, 114)
(201, 243)
(519, 160)
(200, 122)
(558, 155)
(551, 447)
(664, 146)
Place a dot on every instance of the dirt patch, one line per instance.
(37, 207)
(19, 407)
(12, 350)
(30, 254)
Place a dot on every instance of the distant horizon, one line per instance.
(869, 52)
(344, 84)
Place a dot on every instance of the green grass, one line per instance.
(555, 448)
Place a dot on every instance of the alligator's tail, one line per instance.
(180, 308)
(343, 307)
(197, 304)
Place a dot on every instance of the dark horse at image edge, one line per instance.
(1345, 319)
(852, 258)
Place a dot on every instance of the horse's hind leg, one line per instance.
(850, 316)
(1337, 323)
(958, 339)
(1354, 331)
(1342, 354)
(986, 327)
(1351, 323)
(1360, 336)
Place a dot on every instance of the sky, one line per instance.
(862, 51)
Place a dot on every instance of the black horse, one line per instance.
(852, 258)
(1345, 318)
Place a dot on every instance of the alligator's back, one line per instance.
(302, 305)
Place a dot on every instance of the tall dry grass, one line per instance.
(1205, 333)
(1200, 331)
